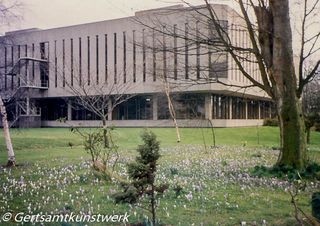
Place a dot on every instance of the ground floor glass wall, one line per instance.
(230, 107)
(155, 107)
(81, 113)
(253, 109)
(221, 107)
(136, 108)
(186, 106)
(53, 109)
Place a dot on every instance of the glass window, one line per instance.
(80, 62)
(164, 53)
(136, 108)
(175, 53)
(124, 58)
(186, 57)
(97, 59)
(106, 57)
(12, 63)
(5, 68)
(198, 49)
(53, 109)
(71, 60)
(134, 55)
(55, 65)
(221, 107)
(44, 67)
(154, 56)
(187, 106)
(81, 113)
(88, 56)
(218, 61)
(238, 108)
(63, 64)
(33, 63)
(266, 109)
(143, 55)
(253, 109)
(115, 56)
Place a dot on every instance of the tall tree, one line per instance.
(6, 132)
(267, 23)
(7, 14)
(273, 52)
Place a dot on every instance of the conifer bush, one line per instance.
(142, 188)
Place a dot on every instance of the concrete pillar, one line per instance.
(259, 109)
(208, 104)
(211, 107)
(246, 106)
(69, 117)
(270, 110)
(230, 107)
(155, 107)
(110, 109)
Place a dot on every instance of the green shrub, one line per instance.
(312, 171)
(178, 189)
(317, 126)
(104, 157)
(270, 122)
(142, 175)
(174, 171)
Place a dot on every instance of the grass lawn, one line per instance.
(55, 178)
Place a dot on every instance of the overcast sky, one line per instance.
(58, 13)
(45, 14)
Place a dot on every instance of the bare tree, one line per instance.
(6, 132)
(273, 52)
(99, 97)
(311, 98)
(167, 91)
(7, 13)
(10, 11)
(101, 100)
(311, 105)
(162, 74)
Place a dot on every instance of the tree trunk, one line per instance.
(11, 158)
(105, 133)
(173, 115)
(212, 132)
(289, 108)
(292, 134)
(172, 111)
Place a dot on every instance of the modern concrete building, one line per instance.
(43, 72)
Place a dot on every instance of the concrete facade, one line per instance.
(131, 56)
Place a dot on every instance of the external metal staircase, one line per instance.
(25, 110)
(20, 96)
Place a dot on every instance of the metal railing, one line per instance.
(23, 109)
(33, 84)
